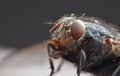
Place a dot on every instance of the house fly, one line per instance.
(90, 43)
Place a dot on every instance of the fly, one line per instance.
(86, 42)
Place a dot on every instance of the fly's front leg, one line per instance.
(51, 66)
(53, 53)
(50, 60)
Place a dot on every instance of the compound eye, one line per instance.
(77, 29)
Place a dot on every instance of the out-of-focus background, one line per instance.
(22, 30)
(22, 21)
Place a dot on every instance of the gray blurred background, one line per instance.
(22, 21)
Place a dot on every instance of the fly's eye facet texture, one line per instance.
(77, 29)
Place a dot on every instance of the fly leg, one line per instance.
(50, 60)
(79, 65)
(51, 66)
(81, 59)
(117, 71)
(60, 65)
(53, 53)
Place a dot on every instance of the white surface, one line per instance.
(5, 51)
(33, 61)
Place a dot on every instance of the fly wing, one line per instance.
(114, 44)
(114, 29)
(108, 67)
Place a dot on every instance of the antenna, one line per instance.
(49, 23)
(82, 16)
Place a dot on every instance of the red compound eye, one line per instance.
(77, 29)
